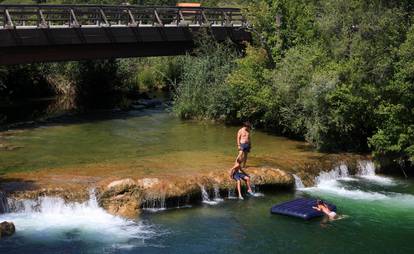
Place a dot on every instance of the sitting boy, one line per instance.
(238, 174)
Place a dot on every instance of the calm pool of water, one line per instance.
(147, 142)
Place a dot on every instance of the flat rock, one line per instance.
(121, 185)
(146, 183)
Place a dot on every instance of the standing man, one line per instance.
(244, 143)
(237, 173)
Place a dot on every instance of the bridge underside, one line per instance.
(29, 45)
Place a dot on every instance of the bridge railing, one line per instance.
(46, 16)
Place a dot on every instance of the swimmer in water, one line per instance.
(323, 207)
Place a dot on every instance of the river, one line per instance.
(377, 210)
(377, 215)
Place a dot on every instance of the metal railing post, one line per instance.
(182, 21)
(131, 19)
(159, 21)
(226, 19)
(73, 21)
(9, 22)
(206, 21)
(103, 16)
(43, 23)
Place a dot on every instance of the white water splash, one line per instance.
(255, 190)
(50, 218)
(258, 194)
(331, 183)
(298, 182)
(217, 196)
(366, 170)
(205, 197)
(334, 187)
(339, 172)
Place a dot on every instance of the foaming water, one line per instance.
(336, 183)
(51, 219)
(339, 172)
(366, 169)
(206, 198)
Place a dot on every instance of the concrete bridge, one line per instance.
(46, 33)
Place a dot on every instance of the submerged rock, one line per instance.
(7, 229)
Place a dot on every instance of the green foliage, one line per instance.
(395, 135)
(249, 85)
(343, 78)
(202, 91)
(151, 73)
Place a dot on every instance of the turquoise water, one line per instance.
(378, 218)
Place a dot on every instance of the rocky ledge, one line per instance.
(127, 197)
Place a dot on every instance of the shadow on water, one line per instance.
(54, 111)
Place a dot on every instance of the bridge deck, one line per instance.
(38, 33)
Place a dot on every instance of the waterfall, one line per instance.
(366, 170)
(53, 218)
(217, 197)
(298, 182)
(205, 197)
(52, 205)
(4, 207)
(338, 172)
(154, 202)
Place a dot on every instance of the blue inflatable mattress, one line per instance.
(301, 208)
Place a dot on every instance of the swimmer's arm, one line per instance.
(316, 208)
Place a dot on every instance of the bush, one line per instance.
(202, 91)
